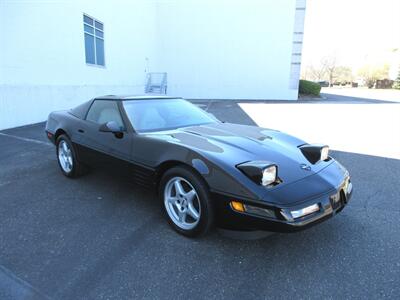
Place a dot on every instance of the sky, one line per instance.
(356, 32)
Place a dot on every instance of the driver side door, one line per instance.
(104, 149)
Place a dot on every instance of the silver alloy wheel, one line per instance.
(65, 156)
(182, 203)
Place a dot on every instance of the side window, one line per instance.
(103, 111)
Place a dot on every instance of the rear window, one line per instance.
(81, 110)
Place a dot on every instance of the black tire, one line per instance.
(77, 168)
(206, 220)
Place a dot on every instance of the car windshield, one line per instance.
(164, 114)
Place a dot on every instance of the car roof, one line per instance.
(134, 97)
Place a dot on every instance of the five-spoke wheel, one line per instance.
(186, 201)
(182, 203)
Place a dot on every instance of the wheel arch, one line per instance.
(59, 132)
(166, 165)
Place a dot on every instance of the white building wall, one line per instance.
(218, 49)
(297, 44)
(226, 49)
(42, 55)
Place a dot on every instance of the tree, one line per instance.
(370, 74)
(343, 74)
(314, 73)
(329, 65)
(396, 84)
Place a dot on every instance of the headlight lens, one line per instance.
(268, 175)
(325, 153)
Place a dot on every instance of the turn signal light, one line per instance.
(238, 206)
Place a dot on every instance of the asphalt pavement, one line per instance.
(101, 237)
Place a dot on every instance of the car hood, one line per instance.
(232, 144)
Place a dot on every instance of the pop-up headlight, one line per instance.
(315, 153)
(325, 153)
(261, 172)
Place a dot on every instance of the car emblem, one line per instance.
(305, 167)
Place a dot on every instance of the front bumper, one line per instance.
(228, 218)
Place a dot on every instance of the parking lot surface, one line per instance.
(101, 237)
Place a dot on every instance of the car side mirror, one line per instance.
(113, 127)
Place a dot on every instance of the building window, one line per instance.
(94, 41)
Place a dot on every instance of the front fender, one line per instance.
(155, 152)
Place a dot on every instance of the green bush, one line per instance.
(309, 88)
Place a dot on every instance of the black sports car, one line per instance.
(206, 171)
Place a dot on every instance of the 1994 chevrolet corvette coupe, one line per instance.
(205, 171)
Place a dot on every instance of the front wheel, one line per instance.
(186, 201)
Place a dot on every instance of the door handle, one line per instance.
(81, 130)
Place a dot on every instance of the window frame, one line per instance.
(95, 37)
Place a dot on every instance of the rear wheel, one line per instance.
(186, 202)
(66, 157)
